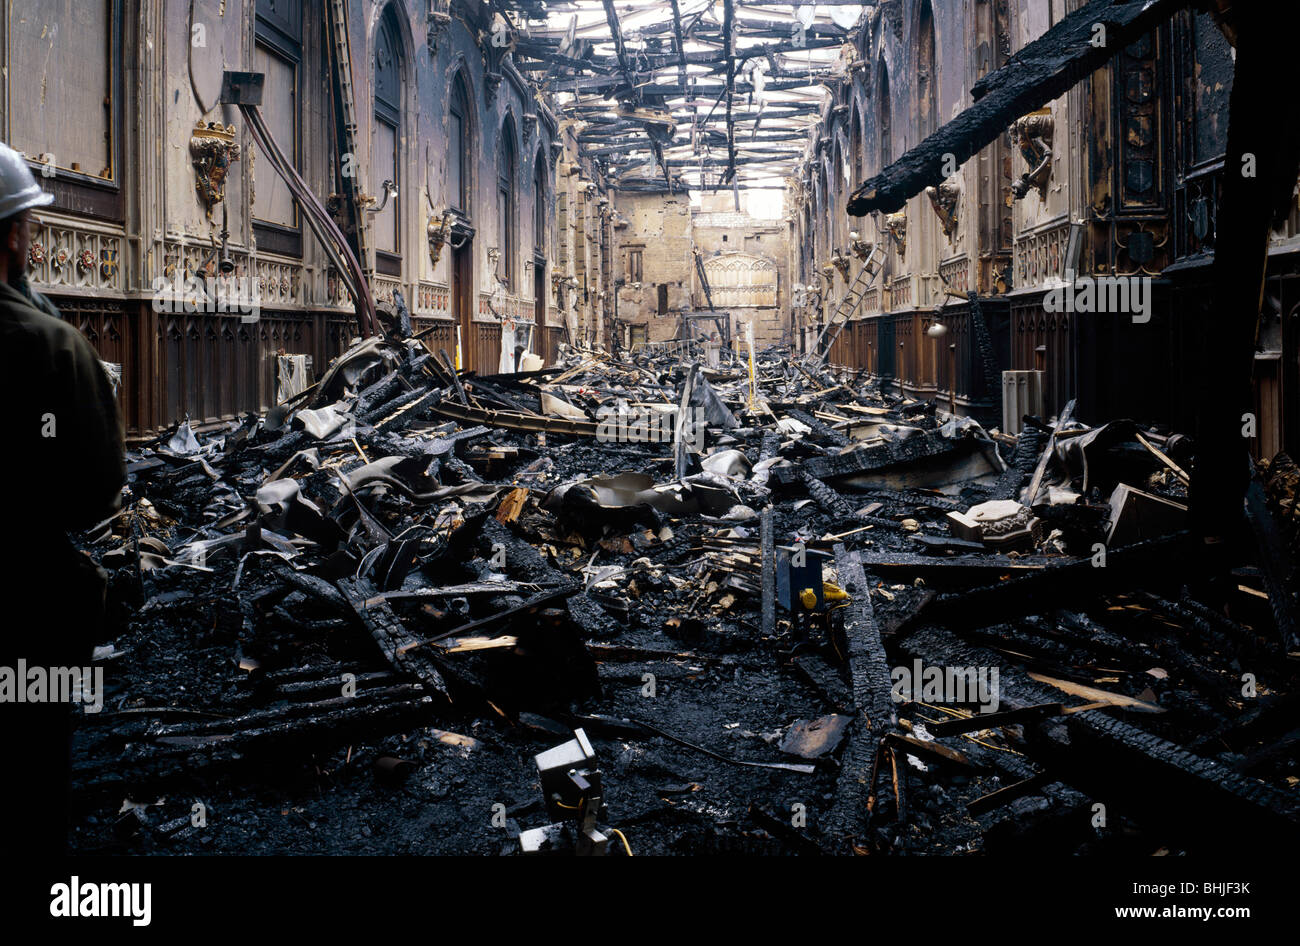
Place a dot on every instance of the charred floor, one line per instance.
(435, 582)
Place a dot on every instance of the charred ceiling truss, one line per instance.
(700, 94)
(1043, 70)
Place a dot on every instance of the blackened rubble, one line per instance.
(350, 625)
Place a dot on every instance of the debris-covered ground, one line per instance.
(778, 610)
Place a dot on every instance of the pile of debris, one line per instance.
(781, 610)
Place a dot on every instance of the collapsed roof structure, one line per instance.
(718, 94)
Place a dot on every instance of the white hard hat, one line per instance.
(18, 188)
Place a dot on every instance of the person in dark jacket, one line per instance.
(61, 471)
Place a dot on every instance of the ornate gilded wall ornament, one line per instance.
(944, 199)
(59, 259)
(212, 149)
(438, 230)
(36, 253)
(1032, 135)
(85, 261)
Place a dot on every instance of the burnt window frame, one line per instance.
(390, 113)
(927, 65)
(460, 105)
(76, 192)
(884, 116)
(507, 200)
(634, 267)
(539, 207)
(274, 29)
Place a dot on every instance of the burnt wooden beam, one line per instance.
(729, 39)
(873, 709)
(868, 459)
(391, 635)
(768, 563)
(1044, 70)
(1112, 759)
(680, 42)
(1078, 583)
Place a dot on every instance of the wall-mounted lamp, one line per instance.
(493, 255)
(389, 189)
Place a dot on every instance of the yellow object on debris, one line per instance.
(830, 592)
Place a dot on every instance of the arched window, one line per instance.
(927, 81)
(277, 54)
(839, 170)
(385, 162)
(506, 204)
(885, 121)
(458, 147)
(823, 237)
(539, 206)
(855, 146)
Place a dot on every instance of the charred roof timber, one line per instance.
(701, 80)
(1044, 70)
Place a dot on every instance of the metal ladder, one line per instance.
(847, 306)
(343, 69)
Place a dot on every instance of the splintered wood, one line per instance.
(512, 505)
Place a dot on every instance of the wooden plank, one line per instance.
(768, 623)
(512, 505)
(396, 642)
(873, 710)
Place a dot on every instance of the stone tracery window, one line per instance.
(740, 280)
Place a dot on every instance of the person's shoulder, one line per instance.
(33, 321)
